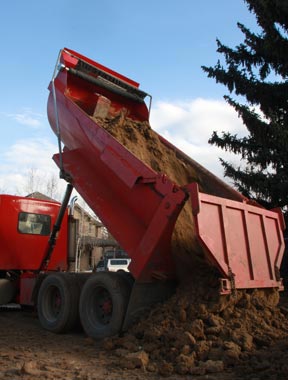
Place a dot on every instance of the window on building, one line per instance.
(36, 224)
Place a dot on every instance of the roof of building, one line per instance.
(38, 195)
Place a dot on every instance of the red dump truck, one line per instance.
(142, 207)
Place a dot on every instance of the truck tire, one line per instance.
(103, 304)
(58, 301)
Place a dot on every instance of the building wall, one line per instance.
(88, 230)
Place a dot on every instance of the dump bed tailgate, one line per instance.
(245, 242)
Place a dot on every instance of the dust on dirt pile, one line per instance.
(197, 331)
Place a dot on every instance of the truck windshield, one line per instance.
(36, 224)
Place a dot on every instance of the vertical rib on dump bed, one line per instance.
(139, 205)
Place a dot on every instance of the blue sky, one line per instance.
(159, 43)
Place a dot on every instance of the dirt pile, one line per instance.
(189, 334)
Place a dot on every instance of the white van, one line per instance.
(114, 265)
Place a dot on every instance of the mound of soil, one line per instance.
(193, 334)
(173, 340)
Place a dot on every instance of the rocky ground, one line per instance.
(175, 341)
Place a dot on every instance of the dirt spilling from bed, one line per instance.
(197, 331)
(145, 144)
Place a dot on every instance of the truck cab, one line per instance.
(26, 224)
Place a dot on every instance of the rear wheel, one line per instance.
(58, 300)
(103, 304)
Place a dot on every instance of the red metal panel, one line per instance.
(27, 285)
(140, 216)
(240, 239)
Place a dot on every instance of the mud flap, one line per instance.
(144, 296)
(8, 290)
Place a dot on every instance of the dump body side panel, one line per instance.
(141, 216)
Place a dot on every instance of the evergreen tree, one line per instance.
(257, 70)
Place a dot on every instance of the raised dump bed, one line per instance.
(145, 190)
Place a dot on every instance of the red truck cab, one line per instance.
(26, 224)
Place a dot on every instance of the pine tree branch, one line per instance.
(257, 70)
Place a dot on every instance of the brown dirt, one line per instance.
(144, 143)
(178, 340)
(189, 335)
